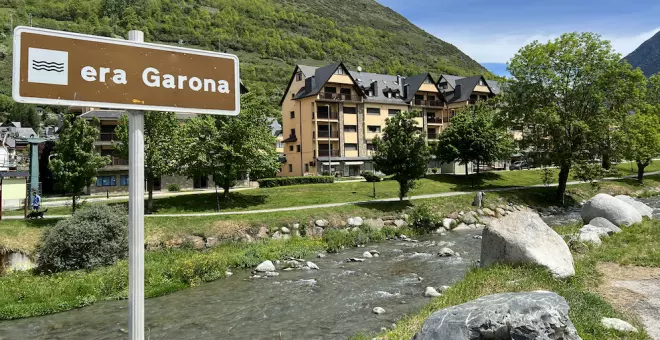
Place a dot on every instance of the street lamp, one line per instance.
(215, 184)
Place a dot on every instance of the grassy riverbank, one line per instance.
(636, 245)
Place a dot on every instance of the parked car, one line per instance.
(519, 165)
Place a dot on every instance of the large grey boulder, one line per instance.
(520, 316)
(602, 222)
(614, 210)
(523, 237)
(266, 266)
(643, 209)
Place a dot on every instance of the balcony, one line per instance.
(330, 134)
(108, 137)
(339, 97)
(116, 161)
(327, 116)
(328, 153)
(428, 103)
(433, 135)
(434, 120)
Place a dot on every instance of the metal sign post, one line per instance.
(136, 216)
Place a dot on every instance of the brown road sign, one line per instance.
(62, 68)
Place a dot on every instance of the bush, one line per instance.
(370, 176)
(174, 188)
(434, 170)
(587, 172)
(93, 237)
(284, 181)
(423, 220)
(547, 176)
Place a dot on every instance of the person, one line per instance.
(36, 201)
(479, 199)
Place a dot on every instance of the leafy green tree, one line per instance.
(653, 90)
(474, 136)
(225, 146)
(402, 151)
(562, 89)
(76, 162)
(640, 140)
(25, 114)
(160, 147)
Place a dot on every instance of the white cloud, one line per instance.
(500, 48)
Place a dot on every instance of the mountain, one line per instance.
(269, 36)
(647, 56)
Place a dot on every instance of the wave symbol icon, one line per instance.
(42, 65)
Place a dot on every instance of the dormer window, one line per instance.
(339, 71)
(427, 81)
(299, 76)
(371, 93)
(389, 94)
(481, 82)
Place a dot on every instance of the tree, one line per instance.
(640, 140)
(160, 147)
(653, 90)
(563, 90)
(402, 151)
(25, 114)
(474, 135)
(76, 161)
(226, 146)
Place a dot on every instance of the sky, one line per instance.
(491, 31)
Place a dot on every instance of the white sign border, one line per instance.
(16, 73)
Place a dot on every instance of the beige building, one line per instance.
(331, 115)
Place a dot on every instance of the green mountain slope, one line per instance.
(647, 56)
(268, 36)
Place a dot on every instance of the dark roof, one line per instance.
(464, 88)
(383, 81)
(451, 79)
(414, 83)
(494, 86)
(17, 174)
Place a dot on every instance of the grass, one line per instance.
(636, 245)
(25, 294)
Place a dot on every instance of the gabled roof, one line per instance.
(415, 82)
(383, 81)
(464, 88)
(494, 86)
(451, 79)
(315, 79)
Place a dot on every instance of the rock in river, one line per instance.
(446, 252)
(643, 209)
(431, 292)
(520, 316)
(354, 259)
(614, 210)
(312, 265)
(378, 310)
(523, 237)
(266, 266)
(367, 255)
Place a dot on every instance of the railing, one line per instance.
(433, 135)
(118, 162)
(330, 134)
(328, 153)
(437, 120)
(325, 115)
(108, 137)
(434, 103)
(339, 96)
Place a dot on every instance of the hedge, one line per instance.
(284, 181)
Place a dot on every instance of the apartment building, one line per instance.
(330, 115)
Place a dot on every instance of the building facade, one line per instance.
(331, 115)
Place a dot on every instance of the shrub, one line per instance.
(284, 181)
(434, 170)
(423, 220)
(93, 237)
(174, 188)
(591, 173)
(547, 176)
(370, 176)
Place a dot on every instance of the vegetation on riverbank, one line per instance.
(636, 245)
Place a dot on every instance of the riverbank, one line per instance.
(636, 245)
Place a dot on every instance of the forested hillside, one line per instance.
(647, 56)
(268, 35)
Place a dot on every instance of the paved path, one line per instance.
(331, 205)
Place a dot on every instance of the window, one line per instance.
(453, 113)
(293, 95)
(481, 82)
(345, 91)
(349, 110)
(350, 147)
(374, 111)
(291, 148)
(370, 147)
(373, 128)
(350, 128)
(419, 97)
(389, 94)
(123, 180)
(292, 114)
(393, 112)
(106, 181)
(329, 89)
(427, 80)
(371, 93)
(290, 167)
(293, 132)
(306, 167)
(431, 98)
(299, 76)
(298, 148)
(279, 145)
(339, 71)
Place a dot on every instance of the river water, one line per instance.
(334, 302)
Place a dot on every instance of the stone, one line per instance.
(367, 255)
(320, 255)
(500, 212)
(271, 274)
(211, 242)
(197, 242)
(277, 235)
(523, 237)
(509, 208)
(472, 226)
(355, 221)
(601, 232)
(378, 310)
(461, 226)
(266, 266)
(602, 222)
(643, 209)
(245, 237)
(321, 223)
(480, 226)
(286, 236)
(446, 252)
(376, 255)
(354, 259)
(453, 215)
(489, 212)
(293, 264)
(285, 230)
(480, 212)
(521, 316)
(614, 210)
(374, 252)
(315, 232)
(372, 223)
(618, 324)
(263, 233)
(228, 273)
(469, 219)
(312, 265)
(296, 226)
(399, 223)
(447, 223)
(431, 292)
(477, 237)
(443, 289)
(590, 237)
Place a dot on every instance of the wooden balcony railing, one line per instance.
(436, 120)
(433, 135)
(430, 103)
(339, 96)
